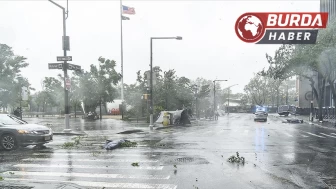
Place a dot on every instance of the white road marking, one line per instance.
(87, 166)
(89, 160)
(304, 136)
(88, 154)
(86, 175)
(288, 134)
(333, 133)
(105, 184)
(315, 135)
(328, 135)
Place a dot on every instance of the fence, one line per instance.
(328, 114)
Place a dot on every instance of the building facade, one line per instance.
(303, 86)
(328, 6)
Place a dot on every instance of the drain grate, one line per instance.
(331, 183)
(15, 187)
(185, 159)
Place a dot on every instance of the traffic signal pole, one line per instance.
(65, 68)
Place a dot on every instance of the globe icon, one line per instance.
(249, 28)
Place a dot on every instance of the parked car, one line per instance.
(15, 132)
(285, 110)
(260, 115)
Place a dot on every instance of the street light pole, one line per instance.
(196, 102)
(228, 107)
(151, 86)
(214, 89)
(151, 124)
(312, 106)
(287, 94)
(214, 83)
(65, 68)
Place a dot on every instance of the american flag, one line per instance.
(128, 10)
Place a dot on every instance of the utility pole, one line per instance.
(287, 95)
(151, 108)
(214, 83)
(196, 103)
(312, 106)
(65, 42)
(228, 109)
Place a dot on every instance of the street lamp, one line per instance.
(151, 76)
(214, 83)
(229, 97)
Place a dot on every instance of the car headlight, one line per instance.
(26, 132)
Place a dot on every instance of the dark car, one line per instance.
(15, 132)
(260, 115)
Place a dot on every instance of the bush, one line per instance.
(132, 113)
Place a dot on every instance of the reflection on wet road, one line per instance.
(278, 155)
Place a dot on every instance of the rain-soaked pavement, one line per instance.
(277, 155)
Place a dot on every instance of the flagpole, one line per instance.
(122, 54)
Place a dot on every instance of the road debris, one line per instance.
(68, 145)
(236, 159)
(135, 164)
(128, 144)
(113, 144)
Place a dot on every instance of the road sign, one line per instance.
(67, 83)
(74, 67)
(24, 95)
(55, 65)
(66, 43)
(64, 58)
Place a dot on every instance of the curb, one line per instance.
(319, 125)
(165, 127)
(69, 134)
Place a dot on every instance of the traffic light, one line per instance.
(146, 96)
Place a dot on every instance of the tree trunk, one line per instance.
(75, 110)
(333, 90)
(100, 109)
(277, 98)
(321, 100)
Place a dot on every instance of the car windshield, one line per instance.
(10, 120)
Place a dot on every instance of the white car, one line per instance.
(260, 115)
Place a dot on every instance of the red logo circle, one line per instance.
(249, 28)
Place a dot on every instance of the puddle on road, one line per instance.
(8, 186)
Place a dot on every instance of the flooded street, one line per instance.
(277, 155)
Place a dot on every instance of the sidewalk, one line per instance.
(81, 126)
(305, 118)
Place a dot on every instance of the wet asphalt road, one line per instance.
(278, 155)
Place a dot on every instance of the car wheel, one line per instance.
(8, 142)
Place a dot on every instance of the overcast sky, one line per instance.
(209, 49)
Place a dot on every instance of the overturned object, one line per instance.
(113, 144)
(294, 120)
(178, 117)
